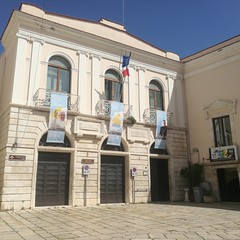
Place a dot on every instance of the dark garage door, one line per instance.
(52, 179)
(112, 180)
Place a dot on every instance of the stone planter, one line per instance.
(208, 199)
(198, 194)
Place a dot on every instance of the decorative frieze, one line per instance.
(139, 135)
(88, 127)
(220, 108)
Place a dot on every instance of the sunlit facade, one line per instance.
(46, 53)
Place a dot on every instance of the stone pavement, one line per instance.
(183, 221)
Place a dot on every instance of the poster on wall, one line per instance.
(161, 130)
(223, 153)
(116, 124)
(57, 118)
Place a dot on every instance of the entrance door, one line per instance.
(228, 183)
(52, 179)
(159, 180)
(112, 179)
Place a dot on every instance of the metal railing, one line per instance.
(42, 97)
(150, 116)
(103, 109)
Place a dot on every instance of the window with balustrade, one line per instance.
(155, 95)
(113, 86)
(59, 74)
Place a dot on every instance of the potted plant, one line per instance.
(193, 173)
(131, 119)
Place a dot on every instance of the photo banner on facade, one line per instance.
(116, 124)
(57, 117)
(161, 130)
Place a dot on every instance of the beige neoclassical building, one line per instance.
(46, 53)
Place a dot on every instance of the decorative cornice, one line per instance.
(220, 108)
(91, 56)
(79, 52)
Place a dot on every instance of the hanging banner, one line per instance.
(161, 130)
(57, 118)
(116, 124)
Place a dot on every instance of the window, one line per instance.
(155, 95)
(113, 86)
(222, 131)
(58, 77)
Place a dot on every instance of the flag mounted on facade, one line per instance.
(125, 63)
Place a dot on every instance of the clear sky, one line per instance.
(181, 26)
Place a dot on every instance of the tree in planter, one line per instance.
(193, 173)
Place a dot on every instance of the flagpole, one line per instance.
(123, 12)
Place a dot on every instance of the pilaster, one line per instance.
(95, 81)
(20, 79)
(34, 66)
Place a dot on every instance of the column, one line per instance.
(34, 66)
(131, 87)
(181, 106)
(171, 100)
(95, 81)
(142, 93)
(83, 82)
(20, 76)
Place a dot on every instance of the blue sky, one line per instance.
(181, 26)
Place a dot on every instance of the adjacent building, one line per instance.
(47, 54)
(211, 80)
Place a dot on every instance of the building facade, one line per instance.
(45, 53)
(212, 96)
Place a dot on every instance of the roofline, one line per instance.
(88, 21)
(99, 23)
(211, 49)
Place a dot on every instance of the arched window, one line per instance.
(43, 142)
(58, 78)
(154, 150)
(105, 146)
(113, 86)
(155, 95)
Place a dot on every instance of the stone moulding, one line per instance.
(139, 135)
(88, 127)
(219, 108)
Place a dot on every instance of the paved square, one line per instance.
(179, 221)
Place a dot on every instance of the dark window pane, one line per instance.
(151, 99)
(113, 86)
(155, 95)
(64, 81)
(52, 78)
(58, 78)
(222, 131)
(159, 100)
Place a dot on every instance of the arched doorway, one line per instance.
(112, 175)
(159, 176)
(52, 185)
